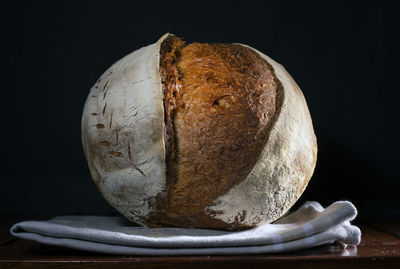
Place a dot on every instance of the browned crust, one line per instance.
(220, 103)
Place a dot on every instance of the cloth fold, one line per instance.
(311, 225)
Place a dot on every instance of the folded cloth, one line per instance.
(311, 225)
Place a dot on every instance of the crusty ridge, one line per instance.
(170, 79)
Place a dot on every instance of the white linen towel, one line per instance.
(311, 225)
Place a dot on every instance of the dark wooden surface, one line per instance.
(380, 247)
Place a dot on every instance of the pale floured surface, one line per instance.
(283, 168)
(122, 133)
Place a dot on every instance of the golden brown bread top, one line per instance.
(220, 103)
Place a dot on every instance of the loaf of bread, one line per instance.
(198, 135)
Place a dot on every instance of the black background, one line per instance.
(343, 54)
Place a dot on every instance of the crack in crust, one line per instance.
(171, 86)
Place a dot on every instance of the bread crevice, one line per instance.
(170, 79)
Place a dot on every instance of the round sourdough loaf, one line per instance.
(199, 135)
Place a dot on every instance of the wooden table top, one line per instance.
(380, 247)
